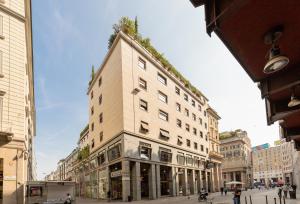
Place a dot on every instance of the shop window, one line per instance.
(144, 127)
(165, 155)
(114, 152)
(189, 160)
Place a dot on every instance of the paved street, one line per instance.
(258, 197)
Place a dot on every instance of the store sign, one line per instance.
(9, 178)
(116, 174)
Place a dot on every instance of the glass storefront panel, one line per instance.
(165, 180)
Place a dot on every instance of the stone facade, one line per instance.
(17, 112)
(237, 163)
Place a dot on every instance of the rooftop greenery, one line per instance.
(84, 130)
(130, 28)
(83, 153)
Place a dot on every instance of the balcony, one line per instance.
(216, 155)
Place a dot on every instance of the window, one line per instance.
(179, 140)
(165, 155)
(206, 137)
(194, 131)
(114, 152)
(142, 84)
(204, 113)
(180, 159)
(205, 125)
(144, 127)
(206, 150)
(101, 158)
(92, 95)
(187, 113)
(93, 143)
(145, 151)
(199, 108)
(101, 118)
(161, 78)
(178, 123)
(101, 136)
(202, 148)
(177, 90)
(142, 63)
(162, 97)
(100, 81)
(193, 103)
(92, 126)
(164, 134)
(201, 134)
(187, 127)
(143, 105)
(92, 110)
(194, 117)
(178, 107)
(195, 145)
(163, 115)
(200, 121)
(100, 99)
(188, 142)
(189, 160)
(186, 97)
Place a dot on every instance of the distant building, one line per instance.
(237, 164)
(267, 165)
(287, 153)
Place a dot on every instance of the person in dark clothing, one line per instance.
(222, 190)
(108, 196)
(237, 196)
(225, 190)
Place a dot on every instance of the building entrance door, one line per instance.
(165, 180)
(145, 168)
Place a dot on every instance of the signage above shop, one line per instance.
(116, 174)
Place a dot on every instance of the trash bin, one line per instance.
(292, 194)
(129, 198)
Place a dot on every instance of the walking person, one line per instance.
(280, 192)
(285, 189)
(68, 199)
(237, 196)
(222, 190)
(225, 190)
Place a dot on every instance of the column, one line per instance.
(218, 177)
(212, 179)
(193, 182)
(136, 181)
(186, 190)
(206, 180)
(201, 180)
(174, 182)
(152, 180)
(158, 192)
(125, 180)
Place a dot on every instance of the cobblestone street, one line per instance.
(258, 197)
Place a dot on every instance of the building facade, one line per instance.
(148, 133)
(17, 112)
(215, 156)
(268, 165)
(237, 162)
(287, 153)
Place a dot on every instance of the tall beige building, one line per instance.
(267, 165)
(17, 112)
(215, 156)
(287, 157)
(148, 132)
(237, 164)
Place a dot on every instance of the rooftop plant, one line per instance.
(84, 130)
(83, 153)
(130, 28)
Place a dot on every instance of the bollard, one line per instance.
(274, 200)
(266, 199)
(283, 200)
(245, 199)
(250, 200)
(279, 200)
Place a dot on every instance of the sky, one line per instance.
(70, 36)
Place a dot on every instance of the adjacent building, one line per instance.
(287, 153)
(17, 110)
(215, 157)
(237, 163)
(267, 164)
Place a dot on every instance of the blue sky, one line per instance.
(69, 36)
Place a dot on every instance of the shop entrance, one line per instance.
(165, 180)
(116, 181)
(181, 181)
(145, 179)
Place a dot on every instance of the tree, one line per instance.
(93, 73)
(136, 26)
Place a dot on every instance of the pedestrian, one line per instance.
(280, 193)
(222, 190)
(68, 199)
(108, 195)
(225, 190)
(237, 196)
(285, 189)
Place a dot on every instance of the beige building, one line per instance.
(148, 133)
(267, 165)
(17, 112)
(214, 149)
(287, 153)
(237, 164)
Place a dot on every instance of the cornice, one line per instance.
(12, 13)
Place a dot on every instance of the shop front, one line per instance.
(116, 181)
(165, 180)
(145, 180)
